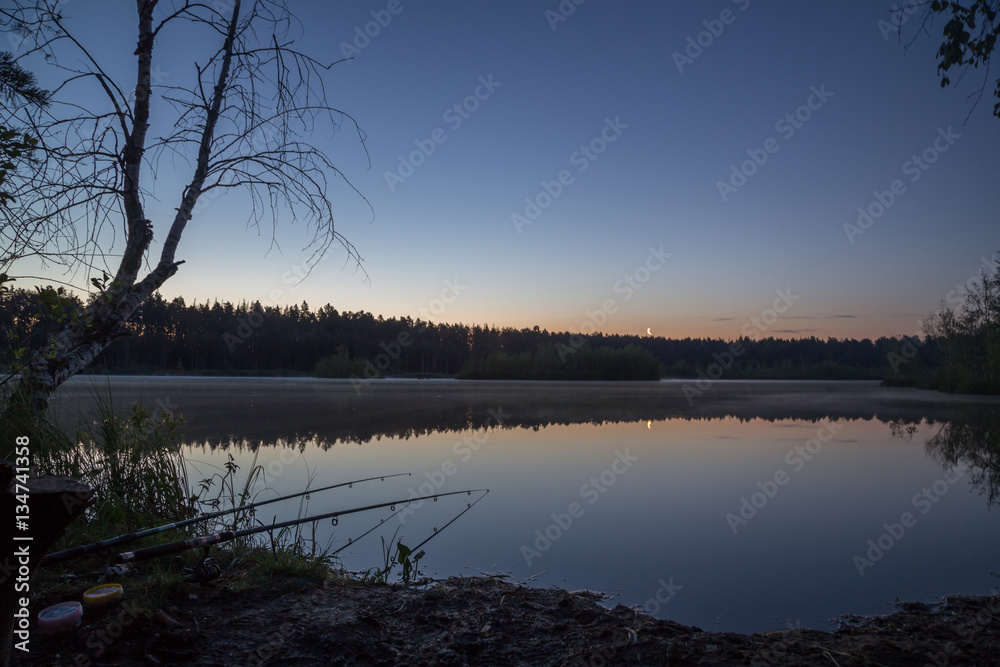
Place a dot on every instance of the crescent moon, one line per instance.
(649, 332)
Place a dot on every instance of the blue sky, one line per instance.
(676, 135)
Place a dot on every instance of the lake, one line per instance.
(744, 506)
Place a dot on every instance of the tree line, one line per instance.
(220, 337)
(969, 337)
(87, 169)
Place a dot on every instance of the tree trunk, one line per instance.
(78, 343)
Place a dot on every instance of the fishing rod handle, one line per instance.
(76, 552)
(172, 547)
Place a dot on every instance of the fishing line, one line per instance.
(76, 552)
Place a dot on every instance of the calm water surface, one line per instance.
(756, 506)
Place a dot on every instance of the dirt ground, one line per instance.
(487, 621)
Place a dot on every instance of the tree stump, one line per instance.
(53, 503)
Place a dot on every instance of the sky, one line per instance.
(679, 168)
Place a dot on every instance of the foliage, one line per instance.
(226, 495)
(220, 337)
(21, 419)
(404, 557)
(972, 441)
(244, 118)
(340, 365)
(969, 38)
(409, 561)
(562, 362)
(970, 338)
(134, 464)
(13, 146)
(18, 83)
(16, 146)
(28, 321)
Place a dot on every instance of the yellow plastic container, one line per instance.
(103, 595)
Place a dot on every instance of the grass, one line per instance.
(404, 557)
(134, 462)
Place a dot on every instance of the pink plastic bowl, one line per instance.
(60, 618)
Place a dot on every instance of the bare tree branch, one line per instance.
(244, 122)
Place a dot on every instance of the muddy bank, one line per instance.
(486, 621)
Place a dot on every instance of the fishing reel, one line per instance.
(202, 572)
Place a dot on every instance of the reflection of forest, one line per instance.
(222, 412)
(972, 438)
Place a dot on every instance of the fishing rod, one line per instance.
(438, 531)
(225, 536)
(419, 553)
(354, 540)
(76, 552)
(351, 541)
(124, 568)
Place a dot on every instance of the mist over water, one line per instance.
(757, 506)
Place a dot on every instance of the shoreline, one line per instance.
(442, 623)
(488, 621)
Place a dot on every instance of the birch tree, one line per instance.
(242, 119)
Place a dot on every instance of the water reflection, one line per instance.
(971, 439)
(249, 412)
(539, 448)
